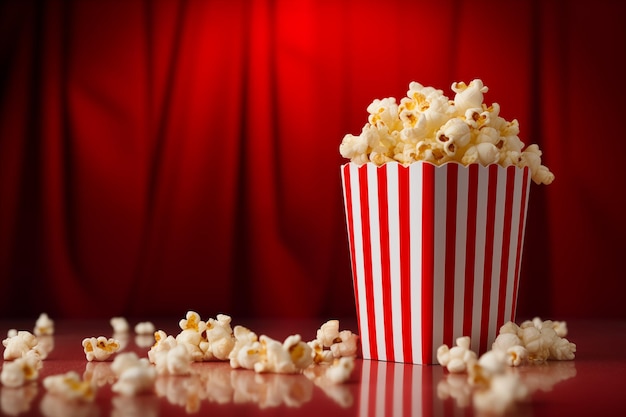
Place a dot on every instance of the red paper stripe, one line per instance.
(450, 255)
(506, 243)
(367, 260)
(347, 188)
(488, 267)
(428, 267)
(383, 215)
(470, 254)
(405, 260)
(520, 239)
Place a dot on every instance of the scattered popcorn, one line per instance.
(340, 371)
(120, 325)
(427, 126)
(70, 387)
(144, 327)
(458, 358)
(535, 340)
(274, 357)
(44, 325)
(20, 343)
(135, 375)
(20, 371)
(100, 348)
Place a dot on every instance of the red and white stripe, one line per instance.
(436, 254)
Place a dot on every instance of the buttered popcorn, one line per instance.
(99, 348)
(427, 126)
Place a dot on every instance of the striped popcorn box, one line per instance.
(436, 254)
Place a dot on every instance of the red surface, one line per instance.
(592, 384)
(154, 154)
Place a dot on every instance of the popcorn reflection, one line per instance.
(15, 401)
(217, 382)
(55, 406)
(135, 406)
(99, 373)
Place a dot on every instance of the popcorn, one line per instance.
(144, 328)
(20, 371)
(341, 343)
(219, 338)
(458, 358)
(276, 356)
(427, 126)
(20, 343)
(174, 361)
(70, 387)
(100, 348)
(340, 370)
(535, 341)
(246, 350)
(44, 325)
(135, 375)
(163, 342)
(120, 325)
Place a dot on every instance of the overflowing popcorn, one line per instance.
(99, 348)
(20, 371)
(427, 126)
(70, 386)
(44, 325)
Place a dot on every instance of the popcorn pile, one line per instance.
(427, 126)
(495, 389)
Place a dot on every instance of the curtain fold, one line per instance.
(162, 156)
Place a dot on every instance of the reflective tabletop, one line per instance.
(591, 383)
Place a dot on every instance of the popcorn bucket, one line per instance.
(436, 254)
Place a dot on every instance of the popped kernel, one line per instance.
(70, 387)
(44, 325)
(427, 126)
(99, 348)
(340, 343)
(135, 375)
(19, 344)
(174, 361)
(247, 349)
(120, 325)
(219, 341)
(341, 369)
(458, 358)
(20, 371)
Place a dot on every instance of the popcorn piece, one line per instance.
(247, 349)
(163, 342)
(135, 375)
(44, 325)
(427, 126)
(144, 327)
(341, 343)
(220, 340)
(20, 371)
(70, 387)
(174, 361)
(19, 344)
(320, 355)
(458, 358)
(120, 325)
(274, 357)
(100, 348)
(340, 371)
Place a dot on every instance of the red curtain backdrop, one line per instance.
(162, 156)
